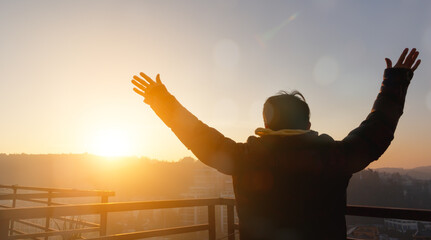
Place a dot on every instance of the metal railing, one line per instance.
(17, 214)
(47, 196)
(10, 215)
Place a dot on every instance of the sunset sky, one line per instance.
(66, 66)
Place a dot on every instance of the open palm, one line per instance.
(145, 84)
(408, 62)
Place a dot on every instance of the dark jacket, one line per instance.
(291, 187)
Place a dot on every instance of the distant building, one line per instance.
(405, 225)
(208, 183)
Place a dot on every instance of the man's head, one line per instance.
(286, 111)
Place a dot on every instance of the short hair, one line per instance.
(286, 111)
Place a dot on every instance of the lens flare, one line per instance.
(263, 39)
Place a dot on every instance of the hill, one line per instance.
(423, 172)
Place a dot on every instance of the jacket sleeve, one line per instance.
(370, 140)
(206, 143)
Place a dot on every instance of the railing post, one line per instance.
(47, 221)
(13, 206)
(230, 222)
(103, 218)
(211, 222)
(4, 229)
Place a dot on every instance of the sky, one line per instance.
(66, 66)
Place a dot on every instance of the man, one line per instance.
(290, 183)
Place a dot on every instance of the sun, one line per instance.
(111, 143)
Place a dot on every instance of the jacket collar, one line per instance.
(282, 132)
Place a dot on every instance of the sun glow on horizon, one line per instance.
(111, 143)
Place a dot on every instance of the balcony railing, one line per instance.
(10, 215)
(47, 196)
(17, 214)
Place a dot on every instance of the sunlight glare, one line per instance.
(111, 143)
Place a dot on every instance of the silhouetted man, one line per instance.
(290, 182)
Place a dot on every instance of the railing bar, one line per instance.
(26, 196)
(155, 233)
(85, 209)
(211, 222)
(380, 212)
(13, 206)
(21, 232)
(44, 234)
(18, 231)
(82, 222)
(97, 208)
(3, 206)
(53, 189)
(34, 225)
(103, 218)
(47, 220)
(227, 201)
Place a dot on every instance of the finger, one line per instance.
(147, 78)
(139, 92)
(141, 81)
(416, 65)
(143, 88)
(415, 57)
(409, 58)
(402, 57)
(388, 63)
(158, 79)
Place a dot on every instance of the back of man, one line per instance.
(289, 190)
(290, 183)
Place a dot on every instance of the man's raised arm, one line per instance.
(209, 145)
(371, 139)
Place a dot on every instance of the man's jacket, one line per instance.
(290, 184)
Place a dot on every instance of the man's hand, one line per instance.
(408, 62)
(144, 86)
